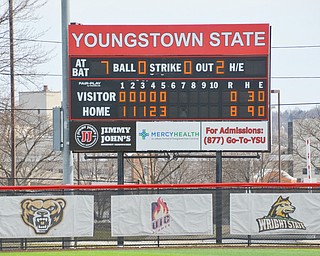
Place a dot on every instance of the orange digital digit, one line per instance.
(134, 111)
(142, 97)
(153, 111)
(163, 111)
(233, 96)
(261, 96)
(144, 111)
(142, 67)
(220, 67)
(187, 67)
(250, 96)
(122, 96)
(251, 110)
(107, 66)
(132, 96)
(233, 111)
(261, 111)
(153, 96)
(163, 96)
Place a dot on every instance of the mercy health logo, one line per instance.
(143, 134)
(168, 136)
(86, 136)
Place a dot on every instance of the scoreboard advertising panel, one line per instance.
(169, 87)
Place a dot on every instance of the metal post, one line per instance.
(120, 168)
(120, 241)
(67, 154)
(290, 145)
(218, 199)
(13, 114)
(78, 167)
(279, 139)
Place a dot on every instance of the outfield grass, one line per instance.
(176, 252)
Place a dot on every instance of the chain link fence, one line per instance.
(102, 237)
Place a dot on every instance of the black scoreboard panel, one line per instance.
(179, 67)
(181, 88)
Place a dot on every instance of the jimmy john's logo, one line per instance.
(86, 136)
(279, 217)
(42, 214)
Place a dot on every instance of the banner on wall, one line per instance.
(46, 216)
(254, 214)
(157, 215)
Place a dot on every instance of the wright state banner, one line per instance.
(46, 216)
(254, 214)
(161, 215)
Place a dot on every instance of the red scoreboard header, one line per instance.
(168, 40)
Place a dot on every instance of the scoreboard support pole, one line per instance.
(218, 198)
(67, 154)
(120, 239)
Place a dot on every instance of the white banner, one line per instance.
(253, 214)
(161, 215)
(235, 136)
(168, 136)
(226, 136)
(46, 216)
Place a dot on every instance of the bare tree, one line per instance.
(195, 170)
(246, 167)
(156, 168)
(237, 170)
(35, 156)
(153, 168)
(99, 169)
(308, 128)
(263, 170)
(28, 54)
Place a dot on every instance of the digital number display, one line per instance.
(169, 88)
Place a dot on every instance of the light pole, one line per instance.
(67, 154)
(13, 114)
(279, 146)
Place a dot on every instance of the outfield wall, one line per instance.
(95, 216)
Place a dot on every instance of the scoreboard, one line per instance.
(169, 87)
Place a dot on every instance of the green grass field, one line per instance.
(176, 252)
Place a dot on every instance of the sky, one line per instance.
(295, 36)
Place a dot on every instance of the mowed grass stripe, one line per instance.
(175, 252)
